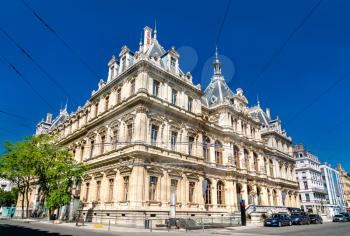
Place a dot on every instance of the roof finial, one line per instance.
(258, 100)
(155, 29)
(217, 63)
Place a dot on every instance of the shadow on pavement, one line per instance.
(14, 230)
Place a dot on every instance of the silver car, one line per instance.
(339, 218)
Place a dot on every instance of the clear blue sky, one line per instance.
(314, 58)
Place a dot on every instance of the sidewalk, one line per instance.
(120, 229)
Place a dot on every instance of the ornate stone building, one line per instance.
(149, 133)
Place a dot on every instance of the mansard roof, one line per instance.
(217, 92)
(155, 50)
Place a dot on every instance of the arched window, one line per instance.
(207, 191)
(256, 163)
(271, 168)
(220, 193)
(236, 156)
(206, 142)
(246, 159)
(218, 152)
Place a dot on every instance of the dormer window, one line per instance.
(172, 62)
(112, 72)
(123, 63)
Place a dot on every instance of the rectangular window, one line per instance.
(110, 189)
(173, 140)
(192, 186)
(129, 132)
(172, 62)
(307, 197)
(190, 145)
(98, 190)
(173, 96)
(119, 95)
(92, 147)
(305, 185)
(152, 188)
(106, 103)
(96, 109)
(103, 142)
(132, 87)
(154, 134)
(190, 103)
(156, 85)
(115, 138)
(126, 188)
(82, 154)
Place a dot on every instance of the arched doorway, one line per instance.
(274, 197)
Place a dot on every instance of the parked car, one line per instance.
(300, 219)
(315, 219)
(278, 220)
(346, 215)
(339, 218)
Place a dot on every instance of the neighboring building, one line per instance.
(345, 181)
(312, 192)
(335, 201)
(148, 133)
(5, 184)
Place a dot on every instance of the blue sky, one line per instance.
(315, 57)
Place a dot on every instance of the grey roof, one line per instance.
(155, 50)
(216, 92)
(259, 114)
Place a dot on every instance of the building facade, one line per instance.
(311, 189)
(5, 185)
(345, 181)
(148, 133)
(335, 201)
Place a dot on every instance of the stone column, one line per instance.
(136, 186)
(236, 207)
(140, 123)
(163, 193)
(214, 197)
(256, 195)
(199, 192)
(245, 192)
(230, 193)
(212, 151)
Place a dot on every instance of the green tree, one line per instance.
(16, 165)
(8, 198)
(40, 161)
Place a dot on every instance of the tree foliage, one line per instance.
(8, 198)
(38, 160)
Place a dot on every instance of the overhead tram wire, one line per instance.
(223, 22)
(290, 36)
(14, 68)
(30, 57)
(53, 31)
(317, 98)
(15, 116)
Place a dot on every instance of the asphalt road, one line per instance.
(14, 228)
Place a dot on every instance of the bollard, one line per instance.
(202, 224)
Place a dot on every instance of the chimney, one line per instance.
(268, 113)
(48, 118)
(147, 34)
